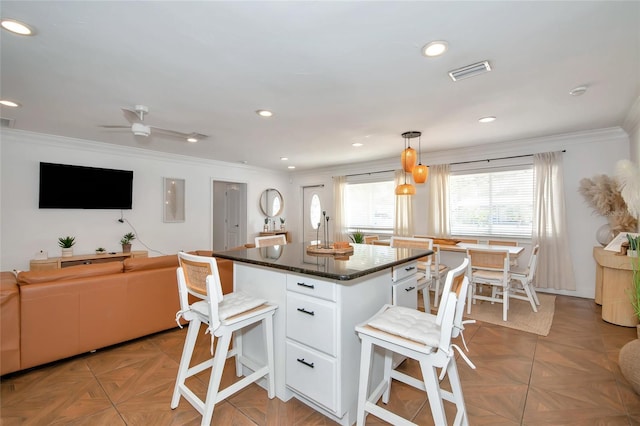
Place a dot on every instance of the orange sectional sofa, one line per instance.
(46, 316)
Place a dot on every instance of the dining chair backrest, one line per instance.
(369, 239)
(490, 260)
(456, 282)
(198, 276)
(502, 243)
(271, 240)
(468, 240)
(414, 243)
(533, 262)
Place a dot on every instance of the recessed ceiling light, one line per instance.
(264, 113)
(578, 91)
(357, 144)
(487, 119)
(435, 48)
(291, 167)
(16, 27)
(192, 140)
(284, 158)
(8, 103)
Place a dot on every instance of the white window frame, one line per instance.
(492, 167)
(364, 179)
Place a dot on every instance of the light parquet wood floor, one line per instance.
(570, 377)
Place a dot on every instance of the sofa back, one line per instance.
(72, 272)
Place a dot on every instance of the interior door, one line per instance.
(232, 216)
(312, 208)
(229, 215)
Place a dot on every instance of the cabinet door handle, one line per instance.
(410, 268)
(409, 289)
(304, 311)
(308, 364)
(306, 285)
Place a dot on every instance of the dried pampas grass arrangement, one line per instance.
(602, 193)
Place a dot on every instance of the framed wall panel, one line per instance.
(173, 203)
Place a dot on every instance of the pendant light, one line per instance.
(408, 157)
(405, 188)
(420, 172)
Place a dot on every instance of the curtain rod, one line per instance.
(369, 173)
(501, 158)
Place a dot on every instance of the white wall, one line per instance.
(587, 154)
(25, 229)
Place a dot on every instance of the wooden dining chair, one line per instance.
(271, 240)
(424, 264)
(438, 271)
(369, 239)
(489, 267)
(468, 240)
(502, 243)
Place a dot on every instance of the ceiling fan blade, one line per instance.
(131, 115)
(110, 126)
(178, 134)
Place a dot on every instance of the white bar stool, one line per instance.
(225, 317)
(420, 336)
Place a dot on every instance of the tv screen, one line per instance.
(63, 186)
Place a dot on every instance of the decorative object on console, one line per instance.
(101, 250)
(602, 193)
(66, 243)
(126, 241)
(634, 245)
(282, 219)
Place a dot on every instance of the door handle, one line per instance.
(409, 289)
(302, 361)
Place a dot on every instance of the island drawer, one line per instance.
(312, 321)
(402, 271)
(311, 286)
(312, 374)
(405, 292)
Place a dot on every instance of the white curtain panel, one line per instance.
(403, 225)
(438, 204)
(339, 231)
(554, 269)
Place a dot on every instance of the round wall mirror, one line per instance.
(271, 202)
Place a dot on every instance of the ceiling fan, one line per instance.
(136, 116)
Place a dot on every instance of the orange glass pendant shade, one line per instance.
(405, 189)
(408, 159)
(420, 173)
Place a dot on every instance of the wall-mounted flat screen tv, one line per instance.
(64, 186)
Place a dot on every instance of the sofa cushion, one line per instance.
(147, 263)
(80, 271)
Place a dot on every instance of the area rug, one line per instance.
(520, 316)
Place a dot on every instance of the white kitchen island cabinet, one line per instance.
(321, 299)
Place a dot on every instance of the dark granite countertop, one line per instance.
(366, 259)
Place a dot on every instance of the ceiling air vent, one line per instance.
(6, 122)
(470, 71)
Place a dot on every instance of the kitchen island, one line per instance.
(321, 299)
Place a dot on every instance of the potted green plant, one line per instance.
(282, 219)
(266, 224)
(634, 245)
(357, 236)
(66, 243)
(101, 250)
(126, 241)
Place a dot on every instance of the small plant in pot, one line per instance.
(634, 245)
(634, 291)
(282, 223)
(357, 237)
(101, 250)
(126, 241)
(66, 243)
